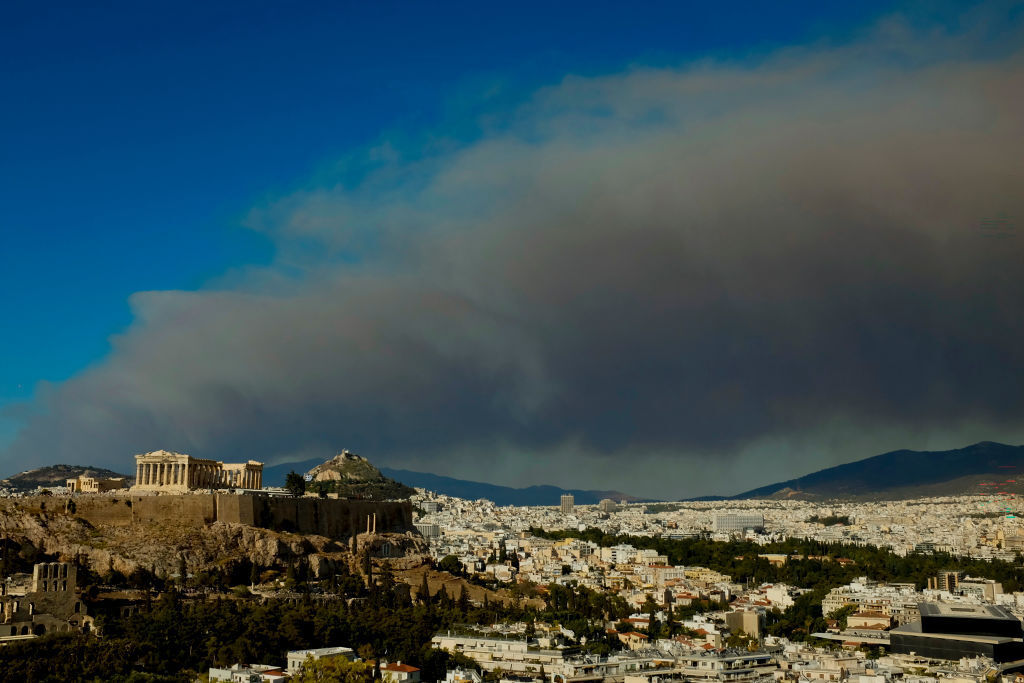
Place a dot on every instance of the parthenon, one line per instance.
(177, 472)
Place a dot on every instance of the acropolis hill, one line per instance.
(205, 513)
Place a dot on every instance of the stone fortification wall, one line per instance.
(236, 510)
(191, 509)
(327, 517)
(338, 519)
(101, 510)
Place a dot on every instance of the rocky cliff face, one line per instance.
(52, 527)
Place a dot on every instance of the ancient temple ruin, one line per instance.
(164, 471)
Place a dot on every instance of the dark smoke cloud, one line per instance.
(670, 282)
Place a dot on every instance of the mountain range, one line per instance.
(897, 474)
(982, 467)
(985, 467)
(274, 475)
(502, 495)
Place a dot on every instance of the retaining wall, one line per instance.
(338, 519)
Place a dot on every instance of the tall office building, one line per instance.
(568, 503)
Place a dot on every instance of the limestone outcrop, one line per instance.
(53, 526)
(353, 476)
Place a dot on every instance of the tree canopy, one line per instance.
(295, 483)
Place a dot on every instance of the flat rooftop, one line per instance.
(914, 629)
(961, 611)
(322, 651)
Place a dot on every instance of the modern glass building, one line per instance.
(953, 630)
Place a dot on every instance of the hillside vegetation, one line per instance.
(353, 476)
(56, 475)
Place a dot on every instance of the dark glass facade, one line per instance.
(946, 648)
(954, 631)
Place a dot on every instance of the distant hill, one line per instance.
(56, 475)
(346, 474)
(908, 474)
(461, 488)
(894, 475)
(501, 495)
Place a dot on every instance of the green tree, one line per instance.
(450, 564)
(841, 615)
(651, 608)
(423, 594)
(295, 483)
(333, 670)
(367, 566)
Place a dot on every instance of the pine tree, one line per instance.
(423, 594)
(463, 600)
(289, 574)
(367, 566)
(295, 483)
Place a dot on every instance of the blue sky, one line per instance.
(141, 140)
(139, 135)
